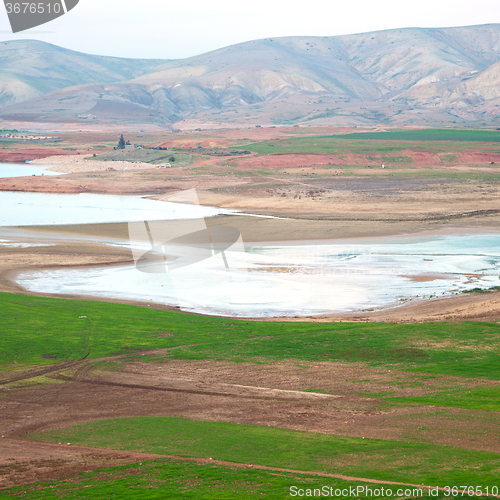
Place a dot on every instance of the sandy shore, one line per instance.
(79, 163)
(288, 229)
(466, 307)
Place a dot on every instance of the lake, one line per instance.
(35, 209)
(298, 280)
(24, 170)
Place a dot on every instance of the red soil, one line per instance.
(17, 156)
(418, 159)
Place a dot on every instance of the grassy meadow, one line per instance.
(42, 331)
(410, 463)
(168, 478)
(392, 144)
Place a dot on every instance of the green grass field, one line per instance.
(39, 330)
(326, 145)
(433, 134)
(358, 457)
(165, 479)
(392, 145)
(482, 398)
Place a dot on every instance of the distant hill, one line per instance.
(29, 69)
(390, 77)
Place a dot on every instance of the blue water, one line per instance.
(24, 170)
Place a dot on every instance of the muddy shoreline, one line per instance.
(85, 252)
(348, 209)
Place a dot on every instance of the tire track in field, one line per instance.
(83, 365)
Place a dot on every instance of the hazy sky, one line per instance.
(176, 29)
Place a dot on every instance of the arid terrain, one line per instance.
(270, 395)
(431, 187)
(318, 187)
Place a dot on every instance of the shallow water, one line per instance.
(34, 209)
(301, 279)
(24, 170)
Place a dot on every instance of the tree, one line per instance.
(121, 142)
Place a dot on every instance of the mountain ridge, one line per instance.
(43, 68)
(389, 77)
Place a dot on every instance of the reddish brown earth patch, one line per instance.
(40, 184)
(284, 160)
(28, 154)
(35, 461)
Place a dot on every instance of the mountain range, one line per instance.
(392, 77)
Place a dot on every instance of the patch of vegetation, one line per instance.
(316, 144)
(448, 158)
(484, 177)
(432, 134)
(41, 330)
(359, 457)
(213, 151)
(164, 479)
(396, 159)
(485, 366)
(144, 155)
(482, 290)
(481, 398)
(241, 173)
(35, 381)
(121, 143)
(444, 142)
(281, 120)
(325, 114)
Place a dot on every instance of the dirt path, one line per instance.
(49, 461)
